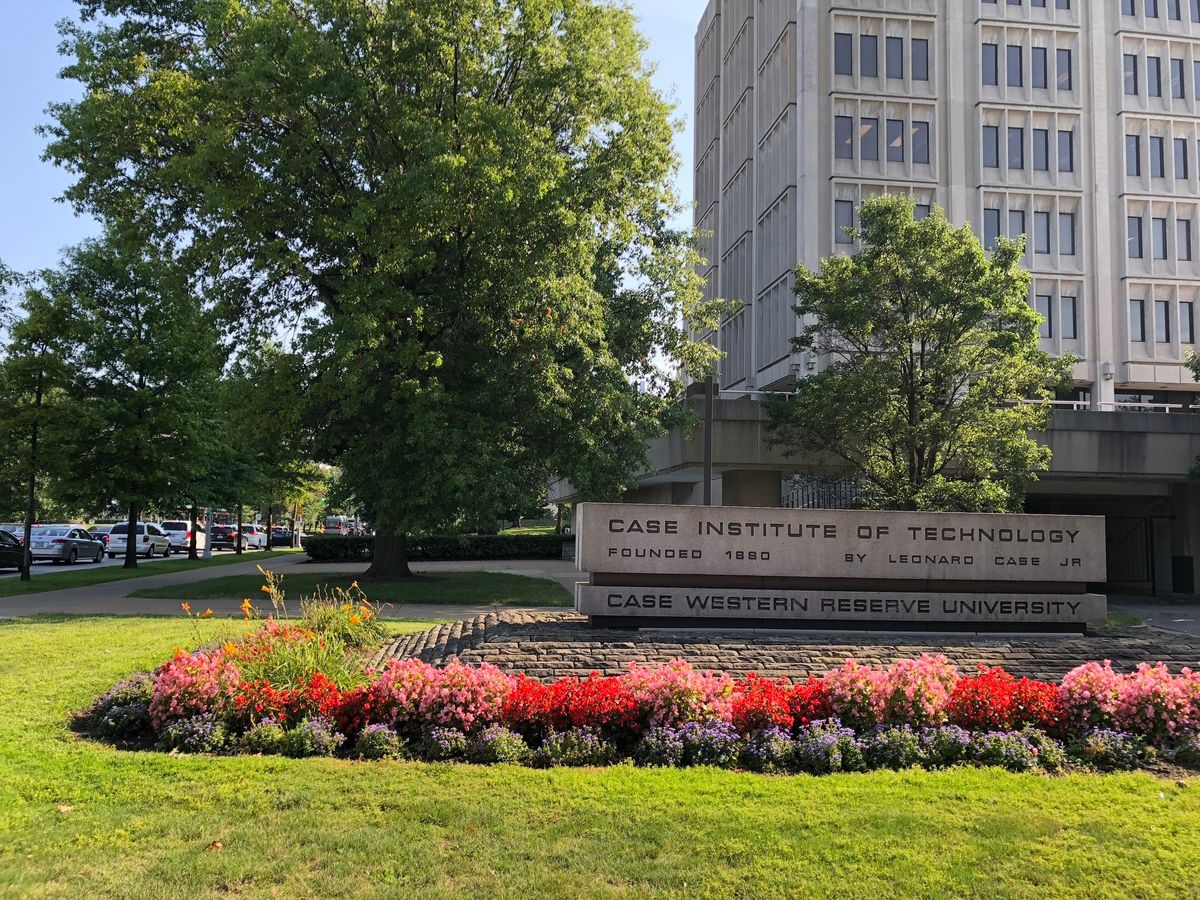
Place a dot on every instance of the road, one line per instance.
(46, 567)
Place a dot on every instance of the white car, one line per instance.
(256, 537)
(150, 539)
(179, 532)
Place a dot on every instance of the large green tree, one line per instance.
(459, 207)
(932, 352)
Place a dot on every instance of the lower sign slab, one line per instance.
(839, 606)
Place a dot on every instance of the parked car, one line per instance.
(15, 529)
(180, 533)
(226, 537)
(64, 544)
(282, 537)
(100, 533)
(10, 551)
(150, 539)
(256, 536)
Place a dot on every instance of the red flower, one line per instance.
(597, 702)
(1039, 704)
(984, 701)
(759, 704)
(808, 702)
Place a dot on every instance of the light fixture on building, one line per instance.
(1108, 371)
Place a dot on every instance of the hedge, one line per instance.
(340, 548)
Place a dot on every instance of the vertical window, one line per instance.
(1137, 321)
(1157, 161)
(868, 56)
(920, 59)
(1069, 329)
(1043, 305)
(1065, 78)
(1133, 227)
(1187, 322)
(1177, 89)
(868, 139)
(1183, 239)
(1152, 9)
(1016, 148)
(1196, 10)
(843, 214)
(1162, 322)
(1039, 67)
(843, 137)
(895, 140)
(1158, 237)
(991, 228)
(1181, 159)
(1133, 156)
(922, 211)
(1016, 75)
(1016, 223)
(895, 57)
(920, 143)
(1041, 232)
(1154, 76)
(991, 147)
(1127, 8)
(843, 54)
(1066, 151)
(1062, 4)
(1131, 74)
(1174, 12)
(991, 64)
(1066, 234)
(1041, 150)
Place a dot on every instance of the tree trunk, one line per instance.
(269, 511)
(237, 547)
(131, 539)
(295, 537)
(390, 559)
(194, 542)
(31, 496)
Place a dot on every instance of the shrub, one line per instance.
(892, 748)
(770, 751)
(674, 693)
(1008, 749)
(856, 694)
(338, 548)
(132, 691)
(916, 691)
(710, 743)
(1110, 751)
(130, 722)
(760, 703)
(1052, 756)
(946, 745)
(1158, 705)
(1089, 696)
(204, 733)
(496, 744)
(1187, 753)
(379, 742)
(825, 747)
(1037, 704)
(808, 702)
(575, 747)
(345, 614)
(413, 696)
(317, 736)
(265, 738)
(983, 702)
(191, 684)
(443, 744)
(659, 747)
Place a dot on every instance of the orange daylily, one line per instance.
(187, 608)
(355, 619)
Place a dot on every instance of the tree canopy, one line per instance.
(458, 207)
(931, 351)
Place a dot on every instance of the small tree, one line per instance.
(932, 349)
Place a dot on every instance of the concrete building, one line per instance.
(1075, 122)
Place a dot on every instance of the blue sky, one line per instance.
(34, 227)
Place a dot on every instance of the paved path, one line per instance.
(113, 597)
(1182, 617)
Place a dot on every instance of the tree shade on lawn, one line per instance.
(469, 200)
(79, 818)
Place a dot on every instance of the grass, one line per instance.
(82, 576)
(1117, 619)
(81, 819)
(530, 529)
(457, 588)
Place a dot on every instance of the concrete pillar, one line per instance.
(748, 487)
(1185, 538)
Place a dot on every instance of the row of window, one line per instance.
(843, 219)
(1154, 76)
(1157, 156)
(1065, 323)
(1135, 227)
(1036, 4)
(1154, 9)
(868, 56)
(1040, 156)
(1162, 321)
(1014, 67)
(1042, 231)
(897, 148)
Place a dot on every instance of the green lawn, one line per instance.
(466, 588)
(81, 575)
(78, 818)
(530, 529)
(1118, 619)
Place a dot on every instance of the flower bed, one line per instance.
(294, 689)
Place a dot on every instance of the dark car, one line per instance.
(10, 551)
(226, 537)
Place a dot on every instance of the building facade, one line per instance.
(1073, 122)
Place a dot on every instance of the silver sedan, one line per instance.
(64, 543)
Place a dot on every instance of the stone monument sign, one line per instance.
(673, 565)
